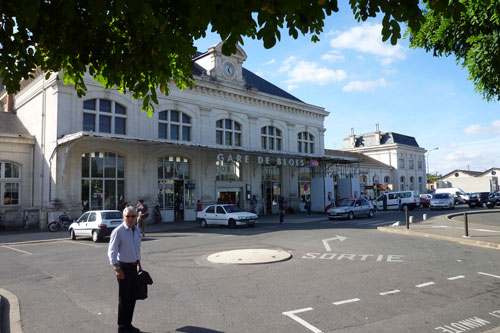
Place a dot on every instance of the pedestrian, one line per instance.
(399, 202)
(181, 209)
(124, 253)
(282, 207)
(142, 210)
(157, 215)
(254, 204)
(199, 208)
(308, 205)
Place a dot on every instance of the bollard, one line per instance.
(466, 222)
(407, 220)
(411, 219)
(425, 217)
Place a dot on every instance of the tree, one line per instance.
(141, 46)
(473, 37)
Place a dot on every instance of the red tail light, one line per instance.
(101, 226)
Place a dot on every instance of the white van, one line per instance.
(409, 199)
(460, 195)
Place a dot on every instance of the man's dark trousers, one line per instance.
(126, 295)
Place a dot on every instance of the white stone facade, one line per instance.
(471, 181)
(70, 136)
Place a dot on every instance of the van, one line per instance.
(409, 200)
(460, 195)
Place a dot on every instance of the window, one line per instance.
(228, 132)
(10, 183)
(304, 183)
(228, 170)
(419, 164)
(402, 183)
(387, 180)
(103, 180)
(401, 163)
(210, 210)
(174, 125)
(270, 138)
(411, 164)
(412, 183)
(111, 117)
(305, 142)
(363, 179)
(174, 183)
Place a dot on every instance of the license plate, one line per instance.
(116, 222)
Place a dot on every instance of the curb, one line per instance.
(450, 217)
(465, 241)
(14, 313)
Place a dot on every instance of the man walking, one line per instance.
(124, 254)
(142, 211)
(281, 203)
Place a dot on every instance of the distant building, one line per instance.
(471, 181)
(401, 153)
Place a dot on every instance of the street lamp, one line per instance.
(428, 170)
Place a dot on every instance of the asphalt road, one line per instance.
(343, 276)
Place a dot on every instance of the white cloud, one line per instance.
(477, 129)
(332, 56)
(306, 71)
(270, 62)
(258, 73)
(365, 85)
(367, 39)
(291, 87)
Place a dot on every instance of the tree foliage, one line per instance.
(141, 46)
(473, 37)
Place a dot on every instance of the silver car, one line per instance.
(351, 207)
(442, 201)
(96, 224)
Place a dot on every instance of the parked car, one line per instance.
(425, 200)
(229, 215)
(478, 199)
(442, 201)
(351, 207)
(493, 200)
(460, 195)
(96, 224)
(409, 200)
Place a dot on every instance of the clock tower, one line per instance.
(222, 67)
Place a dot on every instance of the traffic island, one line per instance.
(249, 256)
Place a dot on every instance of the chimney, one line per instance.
(377, 135)
(10, 103)
(352, 138)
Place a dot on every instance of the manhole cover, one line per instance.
(249, 256)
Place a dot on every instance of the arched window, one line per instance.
(412, 183)
(103, 180)
(402, 180)
(228, 132)
(174, 125)
(270, 138)
(363, 179)
(10, 183)
(305, 142)
(104, 116)
(387, 180)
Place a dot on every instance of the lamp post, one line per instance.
(428, 171)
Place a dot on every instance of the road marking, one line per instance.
(368, 222)
(456, 277)
(425, 284)
(495, 276)
(390, 292)
(79, 243)
(301, 321)
(8, 247)
(440, 226)
(485, 230)
(337, 237)
(346, 301)
(382, 223)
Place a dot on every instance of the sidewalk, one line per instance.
(452, 228)
(33, 235)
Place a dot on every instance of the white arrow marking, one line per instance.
(337, 237)
(301, 321)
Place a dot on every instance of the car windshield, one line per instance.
(441, 196)
(347, 202)
(111, 215)
(232, 208)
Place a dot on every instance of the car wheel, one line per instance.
(203, 223)
(95, 236)
(420, 205)
(484, 205)
(251, 225)
(232, 224)
(350, 216)
(370, 213)
(72, 234)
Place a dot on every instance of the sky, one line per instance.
(363, 81)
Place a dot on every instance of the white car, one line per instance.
(96, 224)
(442, 201)
(350, 207)
(229, 215)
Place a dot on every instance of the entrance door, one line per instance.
(230, 196)
(179, 198)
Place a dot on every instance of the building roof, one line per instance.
(252, 81)
(11, 125)
(360, 157)
(468, 172)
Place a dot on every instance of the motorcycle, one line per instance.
(63, 220)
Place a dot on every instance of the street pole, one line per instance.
(427, 158)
